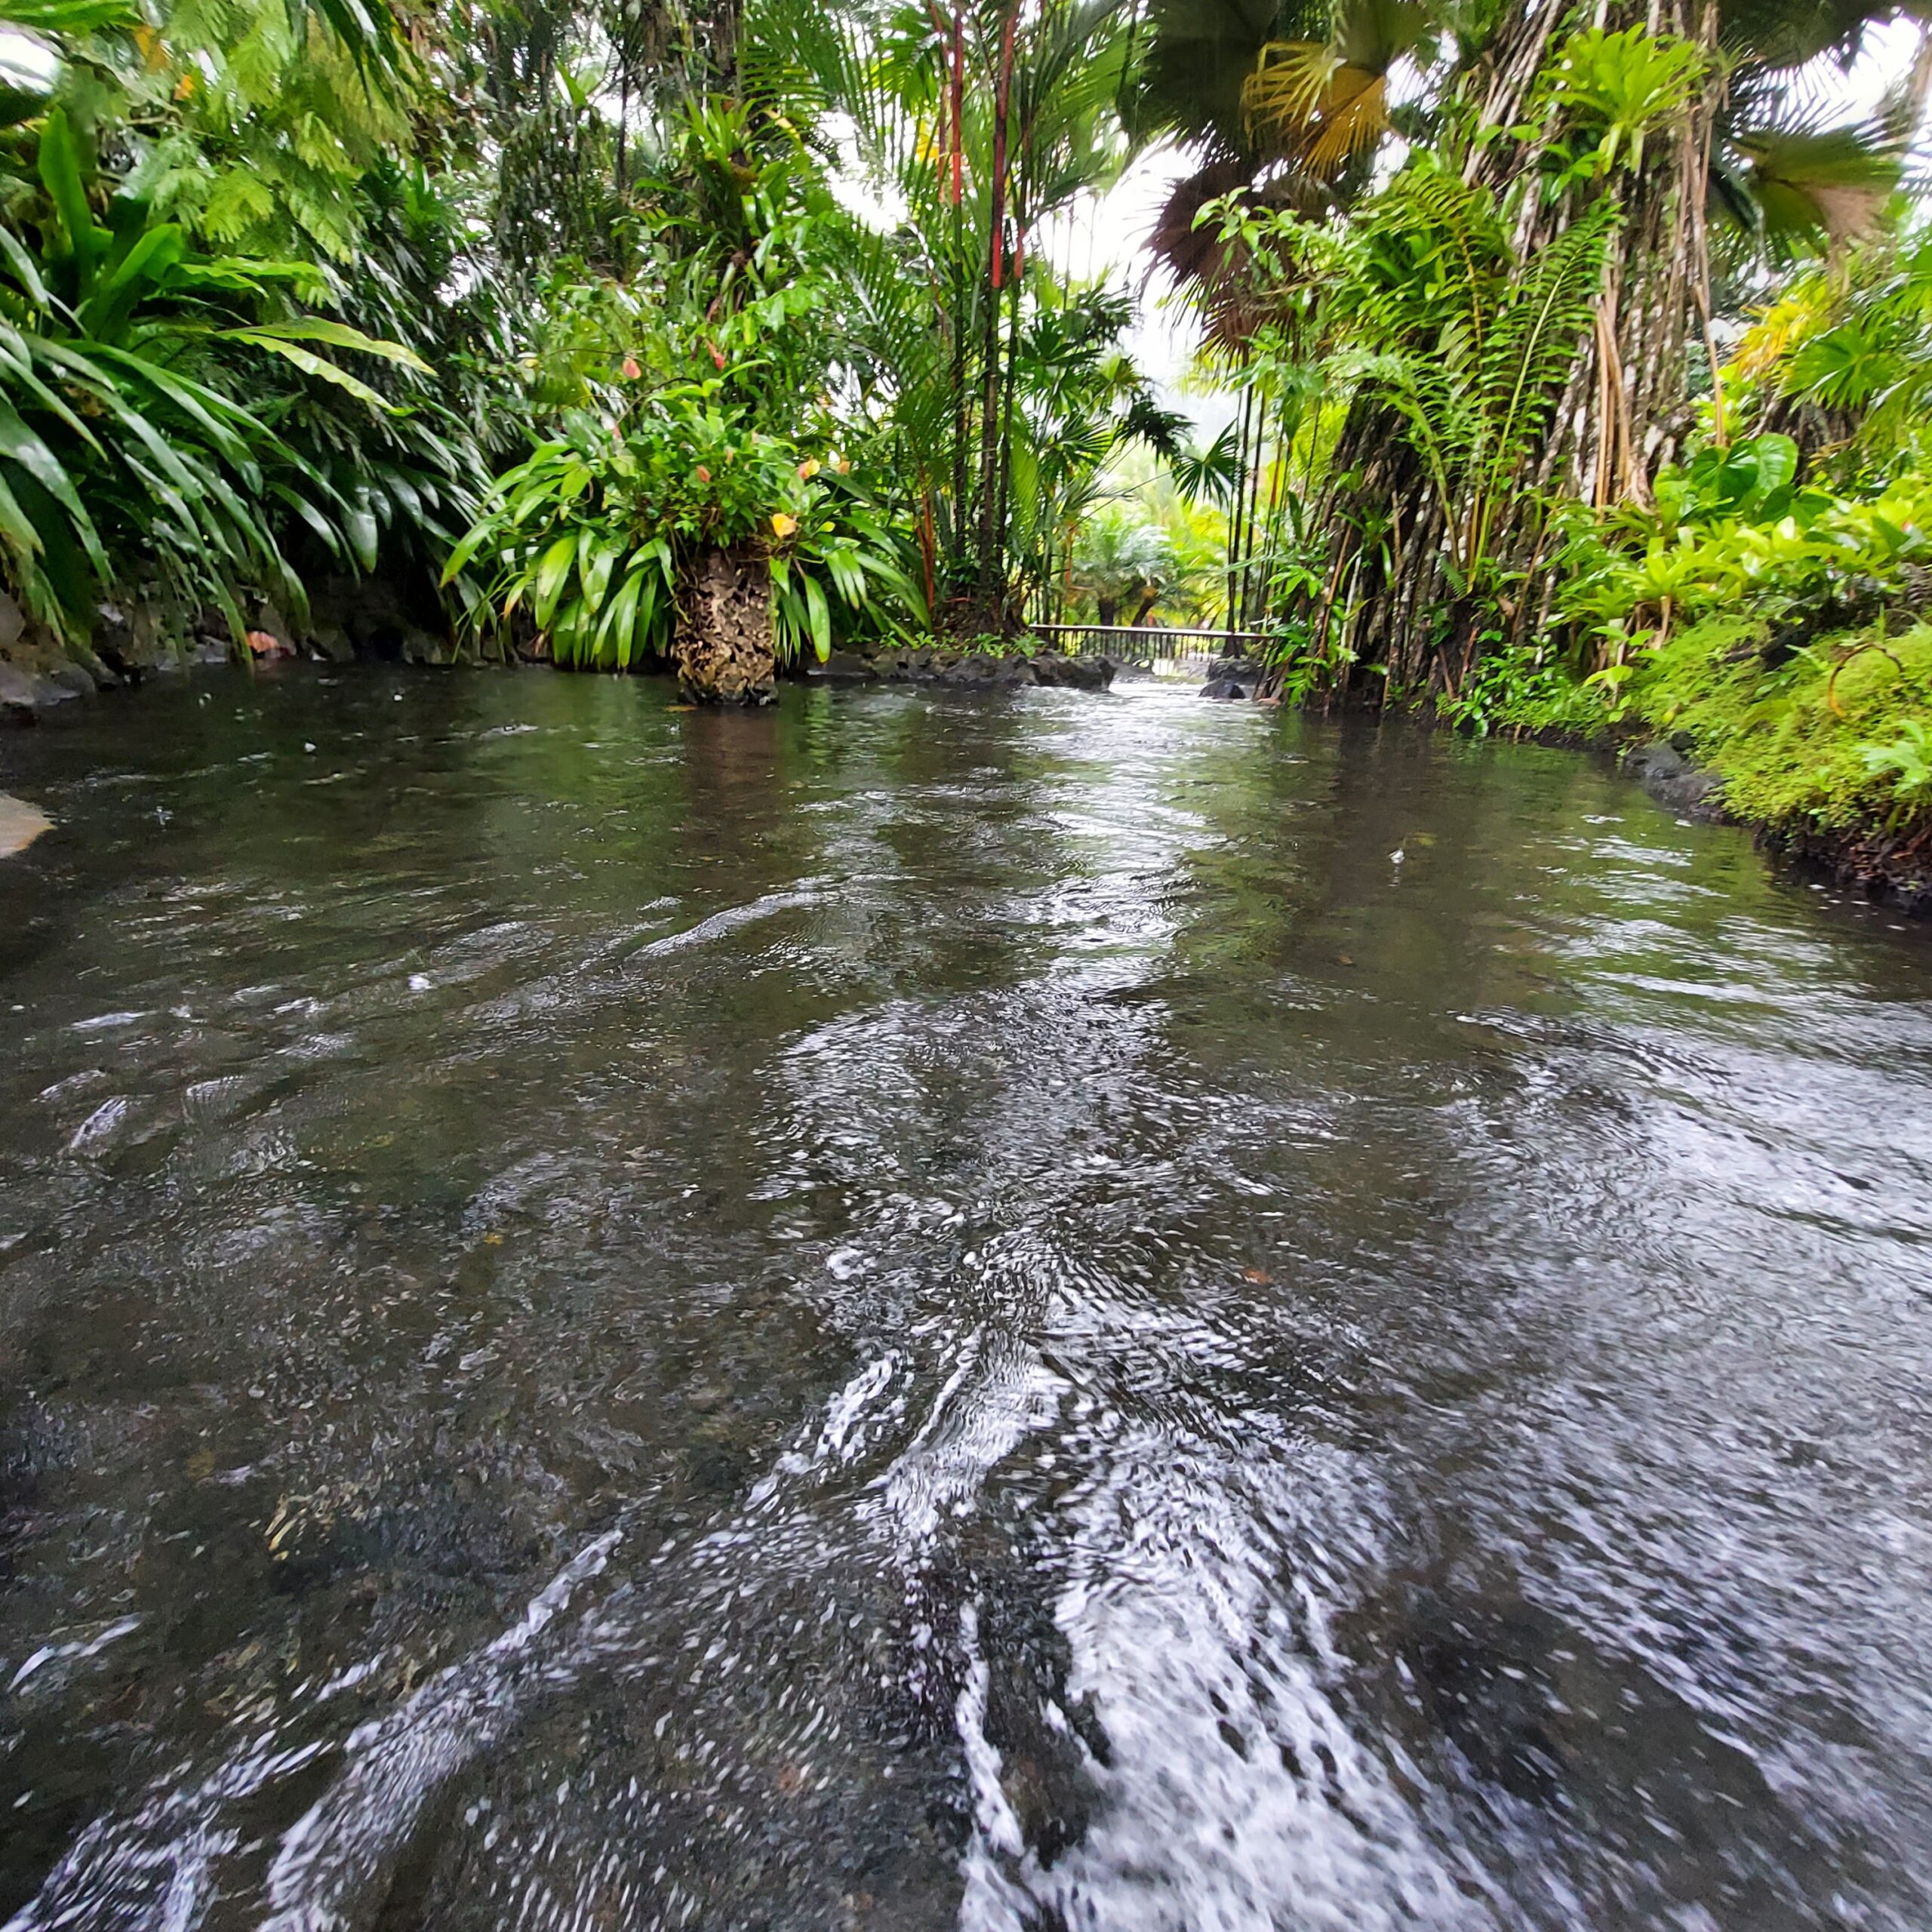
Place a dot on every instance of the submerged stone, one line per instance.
(20, 824)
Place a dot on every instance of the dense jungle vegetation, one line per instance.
(1578, 356)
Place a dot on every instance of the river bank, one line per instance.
(38, 677)
(1819, 740)
(1709, 729)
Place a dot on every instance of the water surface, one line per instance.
(1058, 1312)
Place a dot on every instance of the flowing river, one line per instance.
(1061, 1312)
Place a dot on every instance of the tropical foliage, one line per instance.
(1551, 338)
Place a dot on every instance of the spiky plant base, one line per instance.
(965, 623)
(723, 647)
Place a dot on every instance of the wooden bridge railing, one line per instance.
(1142, 643)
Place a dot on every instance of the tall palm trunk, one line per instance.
(723, 645)
(992, 575)
(1624, 410)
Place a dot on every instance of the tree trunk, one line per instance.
(723, 647)
(1625, 410)
(990, 595)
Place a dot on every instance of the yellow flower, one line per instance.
(782, 525)
(808, 469)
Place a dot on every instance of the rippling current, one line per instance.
(1060, 1313)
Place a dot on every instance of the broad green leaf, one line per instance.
(27, 270)
(339, 335)
(63, 564)
(16, 528)
(219, 419)
(144, 267)
(403, 493)
(329, 536)
(472, 541)
(1777, 462)
(595, 562)
(68, 16)
(27, 449)
(551, 574)
(61, 175)
(620, 626)
(646, 607)
(312, 364)
(18, 104)
(359, 527)
(821, 617)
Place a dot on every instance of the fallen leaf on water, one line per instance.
(1259, 1276)
(493, 1241)
(1345, 958)
(680, 707)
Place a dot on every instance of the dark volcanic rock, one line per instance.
(965, 670)
(24, 695)
(16, 691)
(131, 639)
(975, 672)
(1893, 869)
(1670, 778)
(842, 667)
(1232, 678)
(1079, 673)
(74, 679)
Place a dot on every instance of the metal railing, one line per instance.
(1143, 643)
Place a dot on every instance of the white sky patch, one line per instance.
(26, 61)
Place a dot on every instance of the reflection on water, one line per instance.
(1062, 1312)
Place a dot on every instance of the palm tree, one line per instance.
(1668, 123)
(980, 123)
(1120, 563)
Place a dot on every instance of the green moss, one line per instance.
(1791, 743)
